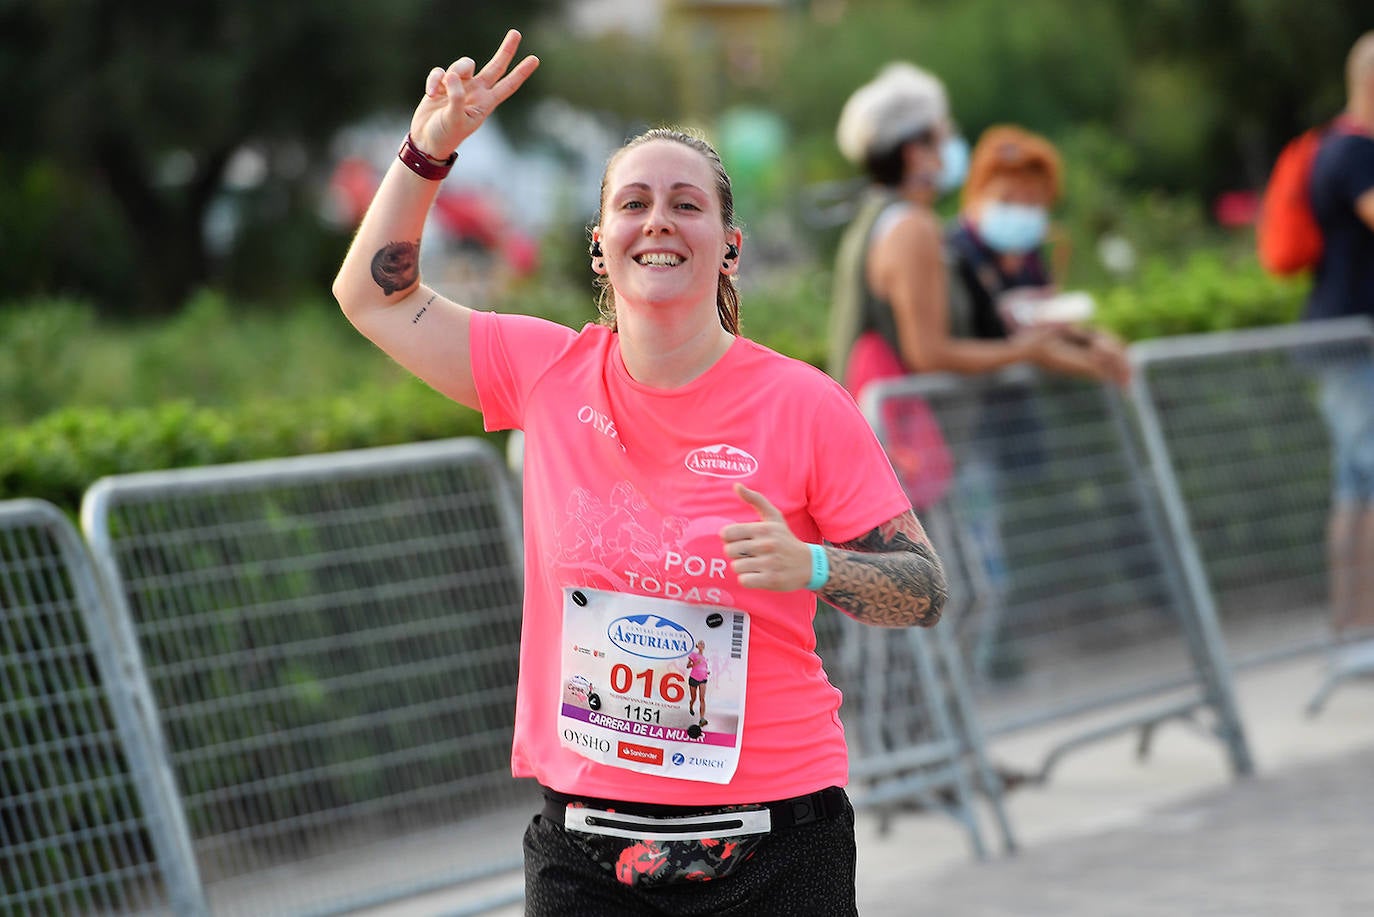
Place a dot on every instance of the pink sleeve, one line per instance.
(853, 487)
(509, 353)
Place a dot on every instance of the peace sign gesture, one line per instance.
(459, 99)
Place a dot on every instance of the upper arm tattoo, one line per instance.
(396, 266)
(889, 576)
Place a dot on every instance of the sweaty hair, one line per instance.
(727, 295)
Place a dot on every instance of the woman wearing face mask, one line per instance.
(998, 264)
(1000, 283)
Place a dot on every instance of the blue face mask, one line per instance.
(953, 163)
(1012, 229)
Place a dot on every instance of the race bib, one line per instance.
(629, 697)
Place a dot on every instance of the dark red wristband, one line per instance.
(422, 165)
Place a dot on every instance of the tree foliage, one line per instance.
(1264, 70)
(1032, 63)
(134, 110)
(129, 118)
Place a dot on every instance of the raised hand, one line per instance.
(459, 99)
(765, 554)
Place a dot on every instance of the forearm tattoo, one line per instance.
(396, 266)
(890, 576)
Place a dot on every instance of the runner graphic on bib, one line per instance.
(625, 683)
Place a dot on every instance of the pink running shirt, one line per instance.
(627, 487)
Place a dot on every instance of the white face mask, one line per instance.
(1012, 229)
(953, 163)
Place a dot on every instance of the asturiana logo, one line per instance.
(722, 461)
(650, 636)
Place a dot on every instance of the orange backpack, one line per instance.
(1288, 237)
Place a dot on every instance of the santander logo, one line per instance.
(721, 461)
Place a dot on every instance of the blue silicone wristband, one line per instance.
(820, 567)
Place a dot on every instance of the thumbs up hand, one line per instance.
(765, 554)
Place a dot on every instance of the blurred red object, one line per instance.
(1234, 209)
(352, 186)
(467, 215)
(470, 217)
(521, 252)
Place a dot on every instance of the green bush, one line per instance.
(230, 385)
(1207, 292)
(56, 354)
(37, 360)
(788, 313)
(58, 457)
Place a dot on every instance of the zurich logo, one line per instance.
(650, 636)
(678, 758)
(721, 461)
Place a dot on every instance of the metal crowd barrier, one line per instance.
(1234, 427)
(1069, 621)
(331, 644)
(85, 825)
(288, 686)
(931, 757)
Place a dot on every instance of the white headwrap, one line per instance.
(902, 100)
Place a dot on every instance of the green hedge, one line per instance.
(57, 354)
(1210, 291)
(59, 456)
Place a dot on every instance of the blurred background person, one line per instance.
(1342, 187)
(1001, 286)
(1002, 295)
(889, 273)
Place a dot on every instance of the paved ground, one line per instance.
(1173, 835)
(1297, 844)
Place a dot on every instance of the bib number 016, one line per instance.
(670, 685)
